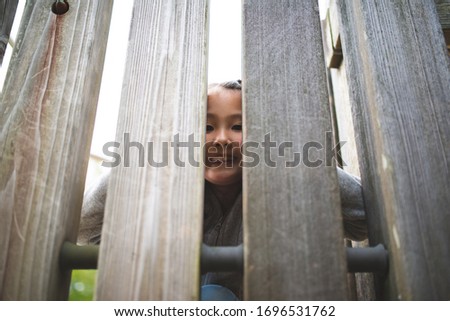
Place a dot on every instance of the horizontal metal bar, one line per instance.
(76, 257)
(367, 259)
(222, 258)
(227, 258)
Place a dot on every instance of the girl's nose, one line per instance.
(222, 138)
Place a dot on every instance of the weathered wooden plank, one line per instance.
(399, 76)
(345, 126)
(47, 116)
(7, 13)
(349, 156)
(331, 32)
(292, 226)
(443, 10)
(331, 36)
(153, 218)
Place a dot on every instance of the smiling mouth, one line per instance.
(217, 161)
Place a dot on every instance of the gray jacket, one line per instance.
(224, 229)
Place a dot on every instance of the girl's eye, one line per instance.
(209, 128)
(237, 127)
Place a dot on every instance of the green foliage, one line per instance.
(82, 285)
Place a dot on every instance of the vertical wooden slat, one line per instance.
(47, 115)
(331, 37)
(292, 227)
(361, 284)
(7, 13)
(151, 239)
(399, 80)
(443, 10)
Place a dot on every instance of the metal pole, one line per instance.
(228, 258)
(75, 257)
(222, 258)
(367, 259)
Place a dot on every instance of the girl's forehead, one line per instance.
(224, 99)
(222, 94)
(220, 89)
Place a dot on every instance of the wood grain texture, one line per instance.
(153, 218)
(47, 115)
(345, 126)
(443, 10)
(399, 80)
(331, 37)
(292, 225)
(7, 13)
(363, 282)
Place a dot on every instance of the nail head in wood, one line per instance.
(60, 7)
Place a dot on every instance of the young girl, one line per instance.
(223, 192)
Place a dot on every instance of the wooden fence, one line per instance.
(394, 75)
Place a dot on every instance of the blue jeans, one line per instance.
(213, 292)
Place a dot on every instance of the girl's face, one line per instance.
(223, 136)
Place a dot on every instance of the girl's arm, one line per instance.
(92, 212)
(352, 202)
